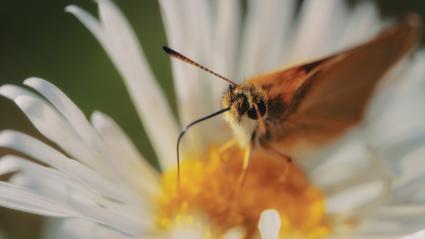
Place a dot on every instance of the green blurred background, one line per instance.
(37, 38)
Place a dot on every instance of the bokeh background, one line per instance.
(37, 38)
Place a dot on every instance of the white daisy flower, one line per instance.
(369, 185)
(417, 235)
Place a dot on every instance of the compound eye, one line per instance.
(252, 113)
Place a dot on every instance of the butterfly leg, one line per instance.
(247, 160)
(223, 149)
(242, 177)
(278, 156)
(245, 165)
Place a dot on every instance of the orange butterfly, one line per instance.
(313, 103)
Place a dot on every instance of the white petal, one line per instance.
(222, 59)
(355, 197)
(12, 196)
(69, 110)
(98, 149)
(78, 122)
(220, 56)
(192, 85)
(411, 173)
(198, 92)
(131, 165)
(42, 152)
(317, 34)
(66, 229)
(14, 164)
(395, 152)
(269, 224)
(120, 42)
(417, 235)
(266, 25)
(89, 21)
(76, 205)
(175, 28)
(401, 212)
(52, 125)
(131, 224)
(371, 228)
(345, 161)
(198, 15)
(12, 91)
(173, 23)
(225, 36)
(7, 167)
(48, 182)
(121, 218)
(363, 23)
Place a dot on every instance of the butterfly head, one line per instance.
(243, 104)
(245, 101)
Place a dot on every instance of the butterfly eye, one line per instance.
(252, 113)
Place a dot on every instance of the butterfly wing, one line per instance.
(313, 103)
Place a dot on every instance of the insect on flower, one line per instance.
(311, 104)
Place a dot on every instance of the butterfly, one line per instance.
(312, 103)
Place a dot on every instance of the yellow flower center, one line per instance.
(210, 187)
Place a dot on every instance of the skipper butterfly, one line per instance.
(312, 103)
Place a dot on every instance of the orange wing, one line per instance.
(316, 102)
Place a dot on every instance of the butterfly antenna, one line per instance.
(183, 132)
(180, 56)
